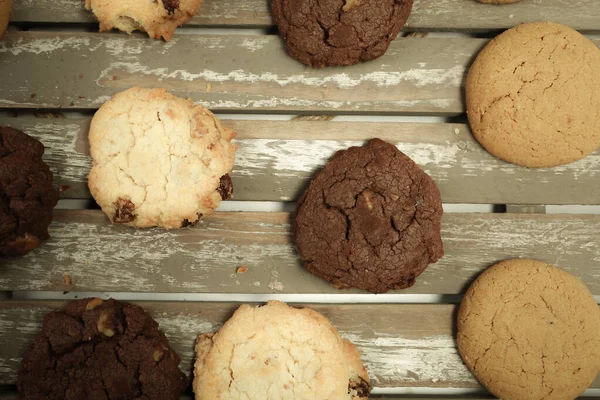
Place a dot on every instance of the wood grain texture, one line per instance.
(274, 164)
(249, 73)
(12, 395)
(426, 15)
(102, 257)
(82, 71)
(401, 345)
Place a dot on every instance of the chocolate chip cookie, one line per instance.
(278, 352)
(159, 18)
(323, 33)
(100, 350)
(159, 160)
(529, 330)
(370, 220)
(27, 197)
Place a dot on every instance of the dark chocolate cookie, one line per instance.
(100, 350)
(27, 197)
(323, 33)
(370, 220)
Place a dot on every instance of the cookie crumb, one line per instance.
(241, 269)
(456, 131)
(208, 87)
(67, 279)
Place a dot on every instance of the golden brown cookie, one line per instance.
(278, 352)
(5, 8)
(533, 95)
(530, 331)
(159, 18)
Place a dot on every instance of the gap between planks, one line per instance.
(441, 15)
(274, 164)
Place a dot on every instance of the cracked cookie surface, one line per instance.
(371, 219)
(533, 95)
(530, 331)
(158, 18)
(322, 33)
(100, 350)
(276, 352)
(27, 197)
(159, 160)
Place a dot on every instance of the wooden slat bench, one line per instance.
(59, 63)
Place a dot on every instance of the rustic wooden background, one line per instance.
(54, 63)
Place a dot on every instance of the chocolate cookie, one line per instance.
(26, 194)
(529, 330)
(371, 220)
(100, 350)
(323, 33)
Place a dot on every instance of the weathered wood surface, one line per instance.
(426, 15)
(102, 257)
(277, 159)
(229, 72)
(12, 395)
(401, 345)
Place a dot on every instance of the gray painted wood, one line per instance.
(102, 257)
(277, 159)
(426, 15)
(230, 73)
(12, 395)
(401, 345)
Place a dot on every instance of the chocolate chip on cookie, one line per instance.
(370, 220)
(159, 18)
(165, 163)
(27, 197)
(98, 349)
(278, 352)
(339, 32)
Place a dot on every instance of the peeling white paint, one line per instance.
(416, 77)
(398, 359)
(254, 44)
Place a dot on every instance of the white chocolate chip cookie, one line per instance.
(278, 352)
(159, 160)
(159, 18)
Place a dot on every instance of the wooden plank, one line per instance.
(82, 70)
(101, 257)
(426, 15)
(277, 159)
(12, 395)
(401, 345)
